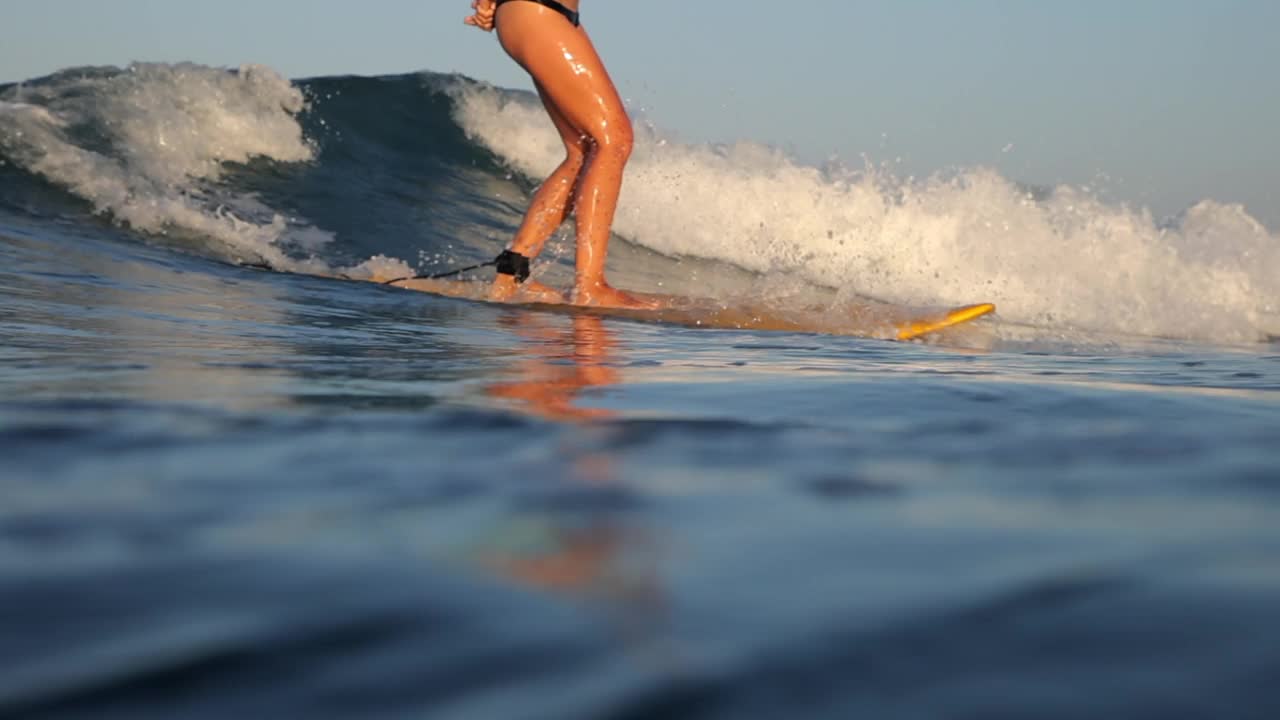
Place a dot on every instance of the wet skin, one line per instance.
(585, 107)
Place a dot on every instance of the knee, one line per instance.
(616, 139)
(576, 154)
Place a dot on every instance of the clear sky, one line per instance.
(1165, 101)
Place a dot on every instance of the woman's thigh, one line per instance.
(570, 75)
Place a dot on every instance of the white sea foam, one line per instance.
(146, 146)
(1059, 259)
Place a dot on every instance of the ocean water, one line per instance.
(232, 492)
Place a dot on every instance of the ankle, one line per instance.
(591, 285)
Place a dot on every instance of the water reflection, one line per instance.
(561, 363)
(606, 559)
(583, 537)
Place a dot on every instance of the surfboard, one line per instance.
(863, 319)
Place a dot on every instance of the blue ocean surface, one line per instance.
(234, 492)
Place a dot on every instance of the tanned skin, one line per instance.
(588, 113)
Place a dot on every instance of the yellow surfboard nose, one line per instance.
(916, 328)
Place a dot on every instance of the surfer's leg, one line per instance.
(573, 81)
(553, 201)
(548, 209)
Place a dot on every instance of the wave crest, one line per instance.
(147, 145)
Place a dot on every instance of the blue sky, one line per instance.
(1160, 102)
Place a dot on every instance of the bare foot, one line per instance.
(505, 288)
(534, 291)
(602, 294)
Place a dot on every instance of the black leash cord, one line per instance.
(507, 263)
(441, 276)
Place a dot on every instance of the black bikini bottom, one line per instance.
(569, 15)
